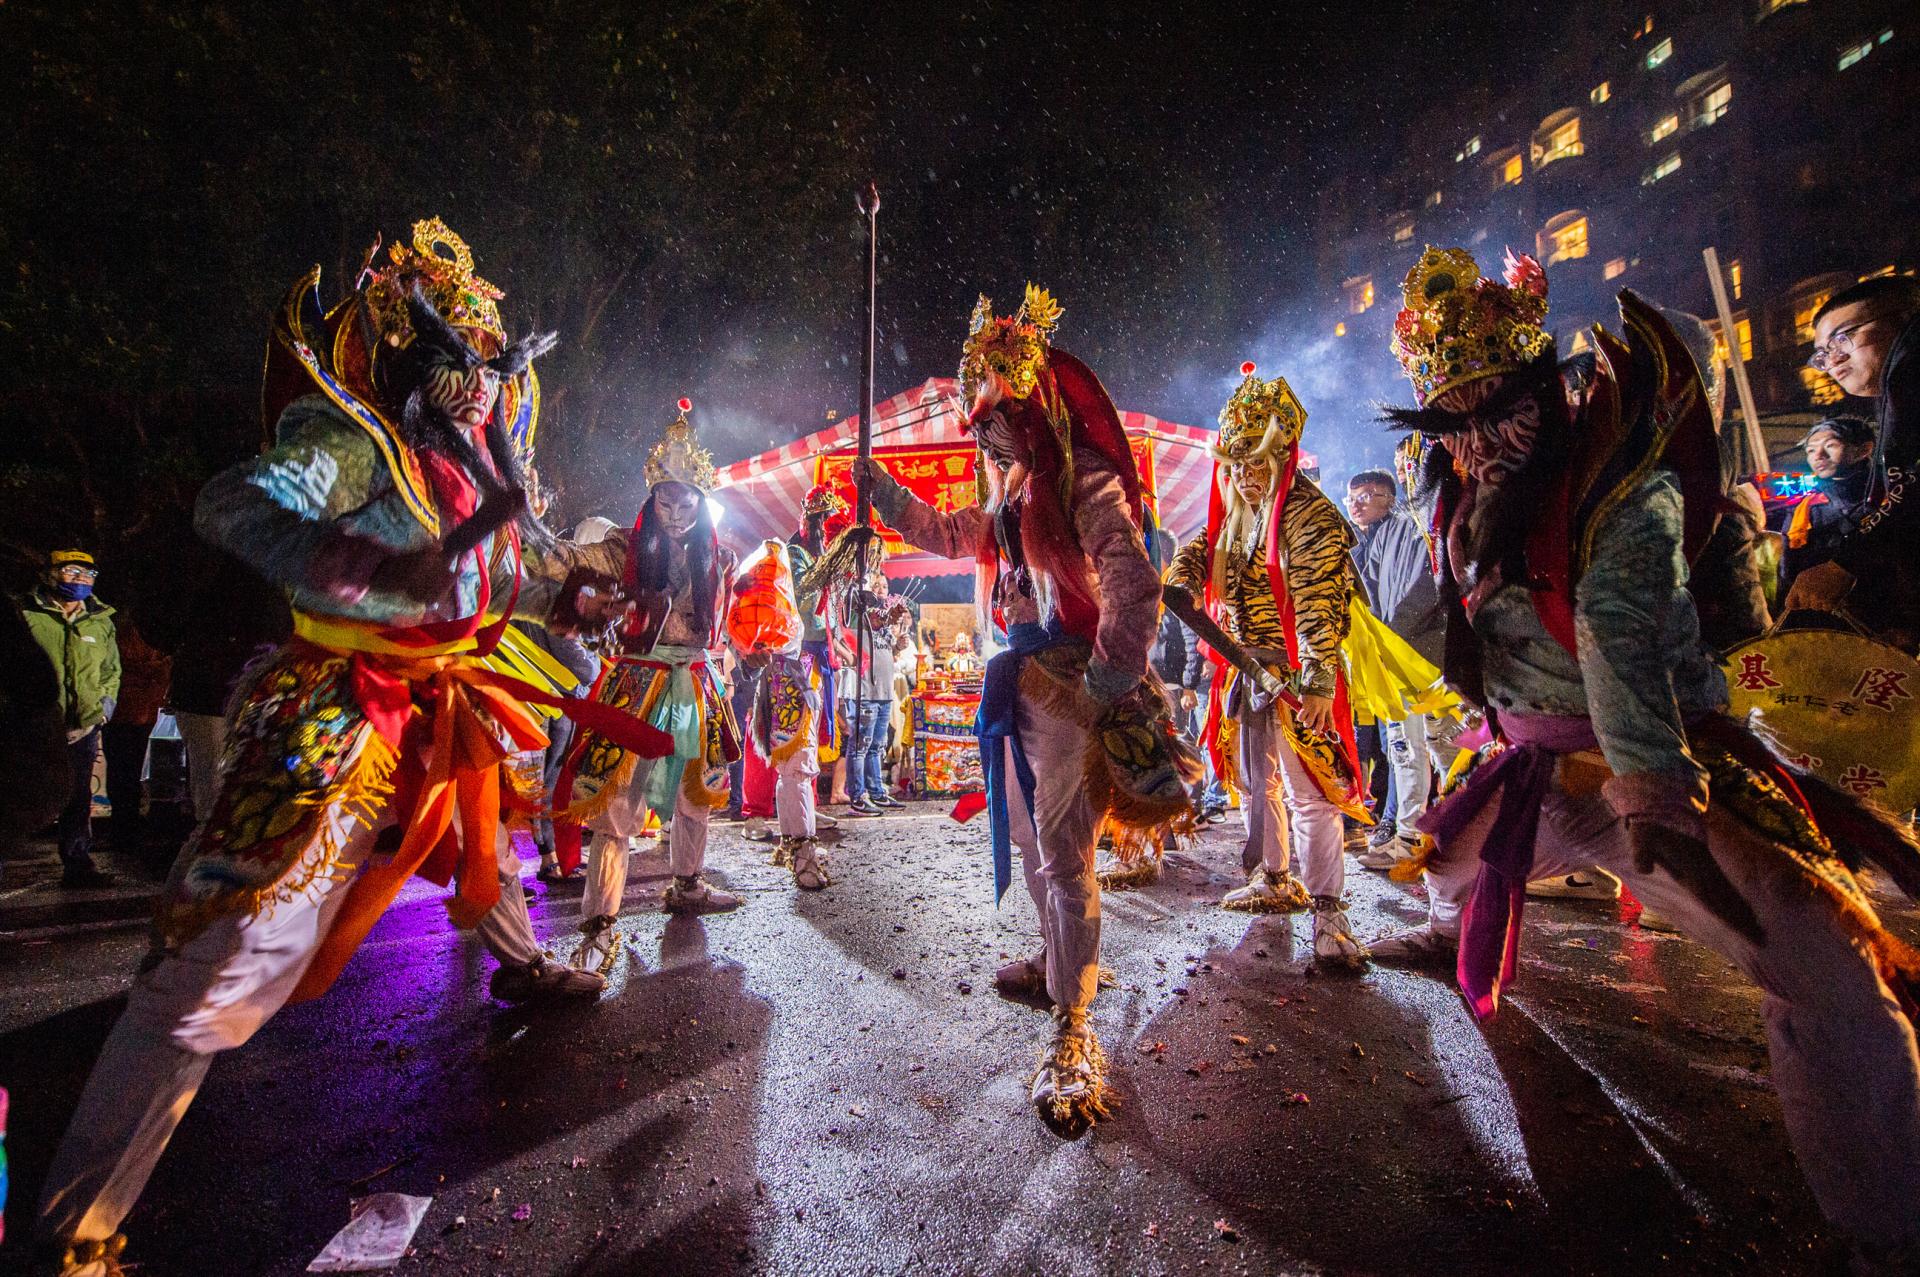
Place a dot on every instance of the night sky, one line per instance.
(671, 187)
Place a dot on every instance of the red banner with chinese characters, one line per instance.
(942, 475)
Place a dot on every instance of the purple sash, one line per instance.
(1518, 779)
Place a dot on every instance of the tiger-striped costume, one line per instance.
(1315, 543)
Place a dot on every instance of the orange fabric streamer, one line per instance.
(450, 777)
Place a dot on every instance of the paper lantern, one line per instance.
(764, 614)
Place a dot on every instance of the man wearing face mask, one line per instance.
(1840, 455)
(1274, 559)
(1068, 578)
(1573, 496)
(76, 631)
(1867, 338)
(663, 674)
(391, 508)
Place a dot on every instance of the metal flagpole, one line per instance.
(1756, 442)
(868, 202)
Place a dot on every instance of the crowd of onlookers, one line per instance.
(90, 682)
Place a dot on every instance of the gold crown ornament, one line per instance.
(679, 458)
(1015, 349)
(440, 262)
(822, 499)
(1457, 326)
(1262, 418)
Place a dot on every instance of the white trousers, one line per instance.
(203, 736)
(1283, 805)
(1844, 1059)
(793, 796)
(607, 857)
(1054, 829)
(212, 995)
(1405, 744)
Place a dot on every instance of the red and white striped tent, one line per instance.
(762, 494)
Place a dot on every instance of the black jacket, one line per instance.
(1169, 655)
(1833, 513)
(1884, 555)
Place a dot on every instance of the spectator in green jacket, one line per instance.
(76, 631)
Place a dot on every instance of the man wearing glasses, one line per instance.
(1865, 338)
(76, 631)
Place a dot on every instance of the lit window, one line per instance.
(1340, 329)
(1646, 28)
(1471, 148)
(1666, 126)
(1743, 328)
(1804, 309)
(1659, 53)
(1715, 105)
(1770, 7)
(1564, 239)
(1733, 277)
(1559, 144)
(1511, 170)
(1403, 233)
(1664, 168)
(1359, 292)
(1601, 92)
(1615, 268)
(1434, 200)
(1821, 388)
(1854, 53)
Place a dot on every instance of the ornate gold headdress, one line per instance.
(1015, 349)
(440, 262)
(1261, 418)
(822, 499)
(1457, 326)
(679, 458)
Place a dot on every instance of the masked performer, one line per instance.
(678, 576)
(1064, 563)
(1274, 557)
(793, 719)
(1571, 497)
(392, 510)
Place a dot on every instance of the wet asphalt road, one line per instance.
(827, 1084)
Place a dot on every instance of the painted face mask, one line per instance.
(1498, 443)
(1253, 479)
(678, 506)
(997, 439)
(465, 395)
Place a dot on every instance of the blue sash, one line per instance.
(995, 726)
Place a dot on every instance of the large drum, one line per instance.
(1843, 706)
